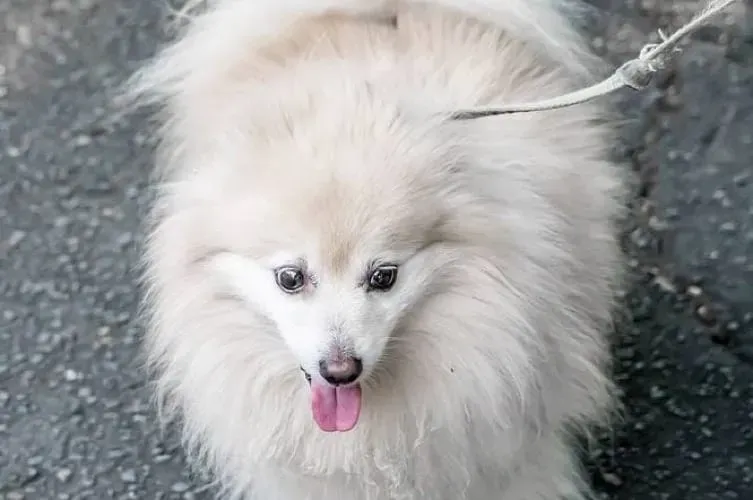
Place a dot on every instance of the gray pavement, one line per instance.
(75, 418)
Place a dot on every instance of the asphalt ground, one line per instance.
(75, 414)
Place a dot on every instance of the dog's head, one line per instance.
(332, 229)
(337, 254)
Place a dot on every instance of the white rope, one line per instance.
(635, 73)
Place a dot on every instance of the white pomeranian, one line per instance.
(355, 295)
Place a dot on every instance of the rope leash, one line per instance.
(635, 74)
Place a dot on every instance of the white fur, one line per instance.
(308, 130)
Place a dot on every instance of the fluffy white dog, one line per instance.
(355, 296)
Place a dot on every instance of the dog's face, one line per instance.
(334, 292)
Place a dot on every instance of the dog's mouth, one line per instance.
(334, 408)
(306, 375)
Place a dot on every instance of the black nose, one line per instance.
(341, 371)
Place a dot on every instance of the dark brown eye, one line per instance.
(382, 278)
(290, 279)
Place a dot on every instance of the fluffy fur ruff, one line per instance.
(311, 131)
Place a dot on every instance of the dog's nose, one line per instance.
(341, 371)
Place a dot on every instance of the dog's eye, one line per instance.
(382, 278)
(290, 279)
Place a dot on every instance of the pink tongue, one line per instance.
(335, 408)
